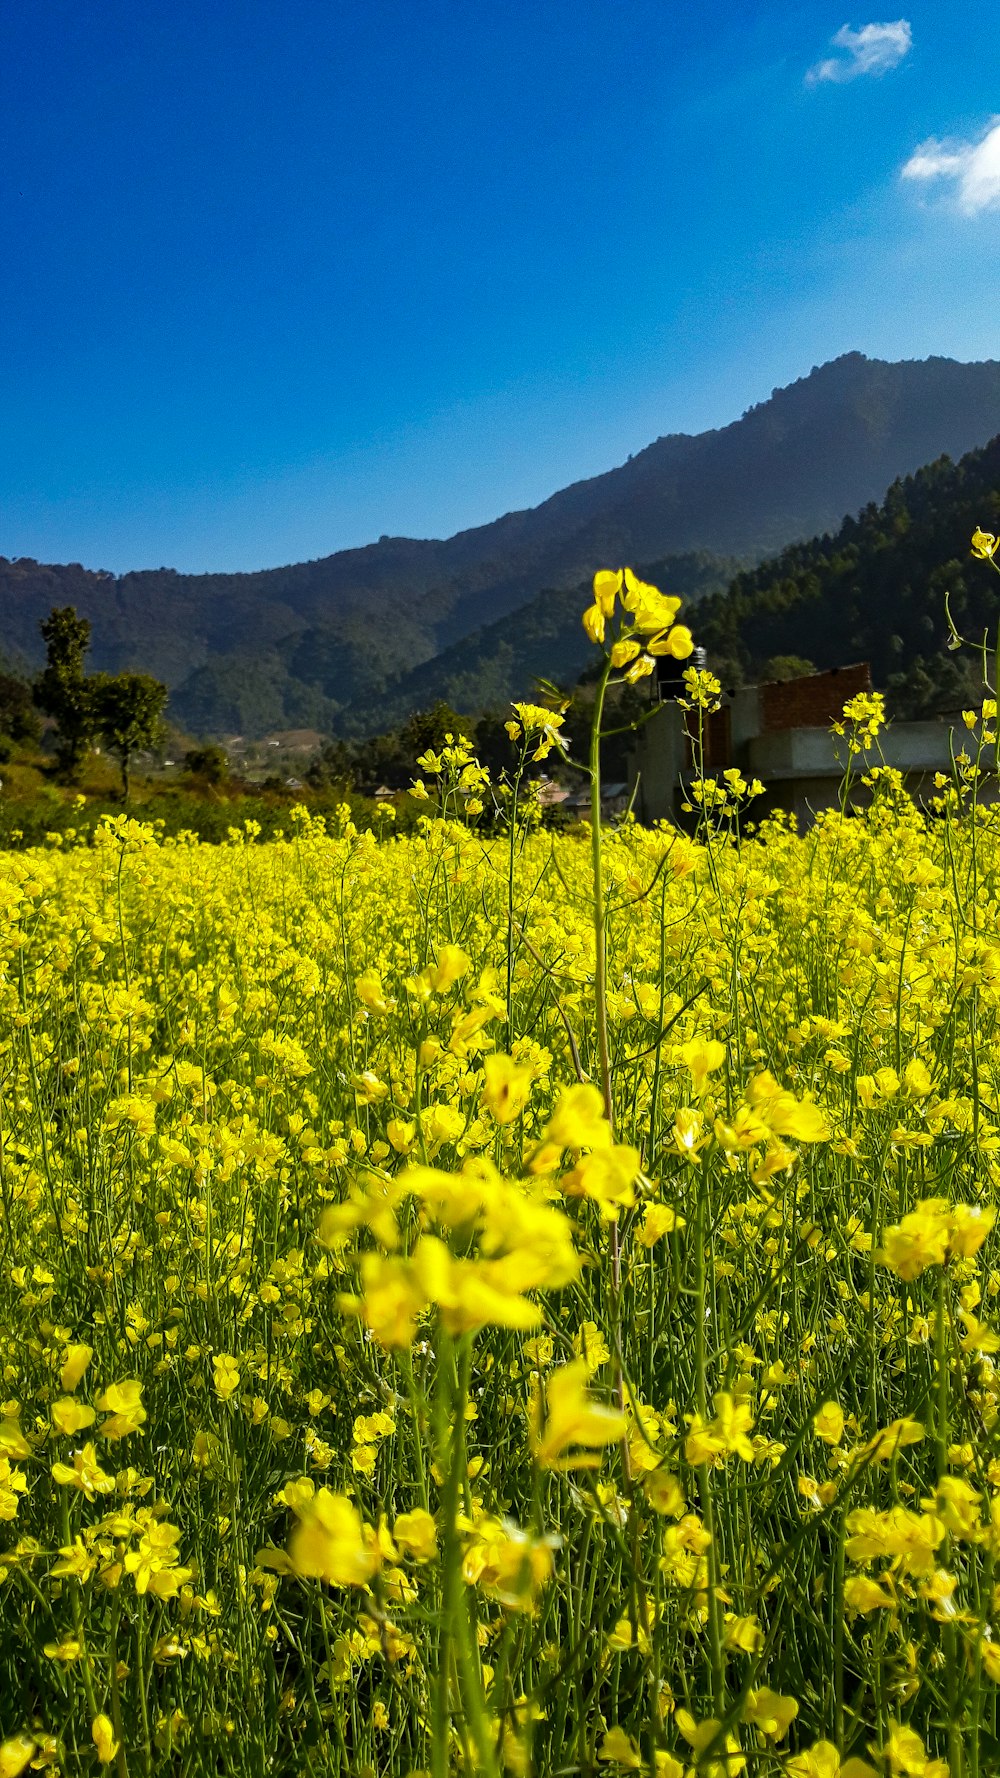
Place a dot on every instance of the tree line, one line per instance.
(122, 710)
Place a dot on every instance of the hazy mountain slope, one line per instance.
(875, 589)
(349, 625)
(544, 639)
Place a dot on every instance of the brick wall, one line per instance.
(813, 702)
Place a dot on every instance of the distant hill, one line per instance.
(338, 644)
(544, 639)
(875, 590)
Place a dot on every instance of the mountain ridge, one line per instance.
(323, 643)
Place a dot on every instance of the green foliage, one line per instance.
(875, 590)
(62, 690)
(782, 667)
(19, 720)
(128, 710)
(210, 763)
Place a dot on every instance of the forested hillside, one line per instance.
(875, 589)
(344, 642)
(543, 640)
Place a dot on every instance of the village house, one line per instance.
(781, 733)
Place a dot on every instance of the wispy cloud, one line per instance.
(873, 49)
(973, 168)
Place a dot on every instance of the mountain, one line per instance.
(336, 643)
(542, 640)
(875, 590)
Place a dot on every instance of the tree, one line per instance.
(210, 763)
(18, 714)
(425, 730)
(785, 667)
(128, 708)
(63, 691)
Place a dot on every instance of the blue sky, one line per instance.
(282, 275)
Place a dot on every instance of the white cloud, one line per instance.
(974, 168)
(874, 49)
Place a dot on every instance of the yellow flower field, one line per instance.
(374, 1404)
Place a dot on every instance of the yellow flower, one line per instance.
(15, 1755)
(226, 1375)
(908, 1539)
(907, 1756)
(13, 1482)
(103, 1734)
(508, 1563)
(702, 1056)
(651, 610)
(391, 1300)
(330, 1542)
(607, 586)
(689, 1135)
(369, 989)
(621, 1750)
(402, 1134)
(153, 1564)
(664, 1493)
(917, 1079)
(75, 1362)
(984, 545)
(970, 1225)
(743, 1635)
(608, 1176)
(84, 1473)
(470, 1294)
(783, 1113)
(863, 1594)
(68, 1650)
(123, 1404)
(593, 623)
(506, 1089)
(658, 1220)
(69, 1415)
(770, 1712)
(934, 1231)
(919, 1241)
(701, 1444)
(449, 966)
(590, 1344)
(728, 1434)
(12, 1440)
(542, 726)
(676, 642)
(415, 1533)
(701, 1735)
(822, 1760)
(828, 1423)
(575, 1426)
(578, 1120)
(957, 1505)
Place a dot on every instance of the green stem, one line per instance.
(704, 1479)
(455, 1633)
(600, 925)
(956, 1761)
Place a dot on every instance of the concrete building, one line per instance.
(781, 734)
